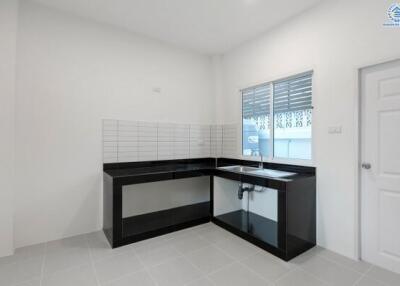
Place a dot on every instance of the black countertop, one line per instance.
(141, 172)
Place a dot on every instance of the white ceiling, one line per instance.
(207, 26)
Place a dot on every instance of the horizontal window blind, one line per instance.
(293, 94)
(256, 101)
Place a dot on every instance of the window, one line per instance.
(290, 103)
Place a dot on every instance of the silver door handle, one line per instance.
(366, 166)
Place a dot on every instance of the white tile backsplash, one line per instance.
(110, 141)
(130, 141)
(229, 140)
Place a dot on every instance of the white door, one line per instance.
(380, 173)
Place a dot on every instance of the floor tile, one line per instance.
(330, 272)
(7, 260)
(64, 258)
(157, 255)
(236, 275)
(7, 274)
(189, 243)
(387, 277)
(368, 281)
(299, 277)
(298, 260)
(77, 276)
(74, 242)
(34, 251)
(205, 228)
(21, 271)
(31, 251)
(237, 248)
(215, 235)
(359, 266)
(152, 242)
(100, 247)
(116, 266)
(141, 278)
(200, 282)
(209, 259)
(33, 282)
(205, 255)
(267, 265)
(175, 273)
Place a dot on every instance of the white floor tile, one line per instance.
(175, 272)
(368, 281)
(200, 282)
(64, 258)
(268, 266)
(205, 255)
(236, 275)
(215, 235)
(152, 242)
(157, 255)
(74, 242)
(100, 247)
(209, 259)
(189, 243)
(387, 277)
(21, 271)
(299, 277)
(77, 276)
(330, 272)
(116, 266)
(141, 278)
(34, 282)
(359, 266)
(237, 248)
(7, 274)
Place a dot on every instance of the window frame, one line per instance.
(271, 158)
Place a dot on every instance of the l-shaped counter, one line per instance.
(293, 233)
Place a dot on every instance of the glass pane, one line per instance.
(255, 121)
(292, 134)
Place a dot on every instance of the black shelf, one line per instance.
(157, 221)
(253, 224)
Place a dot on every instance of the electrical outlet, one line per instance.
(335, 129)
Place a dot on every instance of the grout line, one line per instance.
(146, 269)
(364, 275)
(43, 264)
(92, 261)
(339, 264)
(287, 274)
(255, 272)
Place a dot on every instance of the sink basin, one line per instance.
(271, 173)
(257, 171)
(239, 169)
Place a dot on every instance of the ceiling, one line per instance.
(207, 26)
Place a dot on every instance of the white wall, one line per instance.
(8, 35)
(71, 73)
(334, 40)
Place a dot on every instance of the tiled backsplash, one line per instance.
(130, 141)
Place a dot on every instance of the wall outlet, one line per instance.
(335, 129)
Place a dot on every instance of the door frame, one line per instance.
(358, 148)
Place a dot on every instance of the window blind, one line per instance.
(293, 94)
(256, 101)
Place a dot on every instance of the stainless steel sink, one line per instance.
(239, 169)
(257, 171)
(272, 173)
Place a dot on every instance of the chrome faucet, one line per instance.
(260, 165)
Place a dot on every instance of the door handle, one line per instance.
(366, 166)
